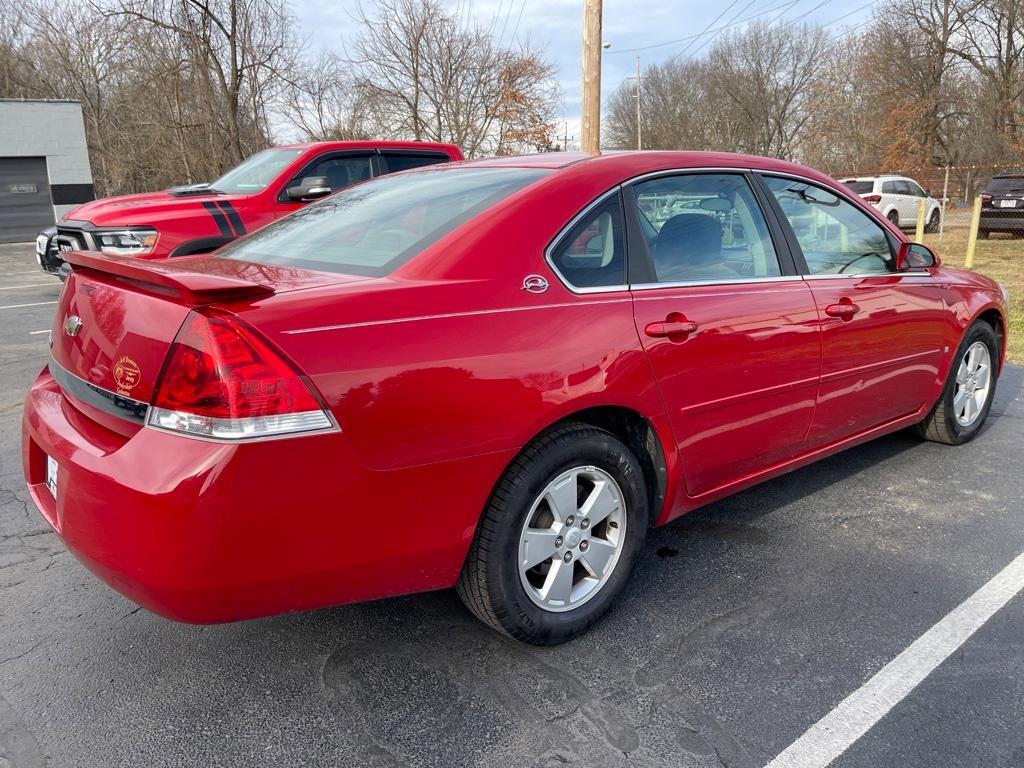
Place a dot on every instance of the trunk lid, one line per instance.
(117, 316)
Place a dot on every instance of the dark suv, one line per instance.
(1002, 205)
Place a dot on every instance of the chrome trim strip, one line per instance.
(564, 231)
(102, 399)
(711, 283)
(865, 275)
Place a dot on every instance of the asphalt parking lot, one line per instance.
(745, 623)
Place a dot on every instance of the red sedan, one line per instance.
(495, 375)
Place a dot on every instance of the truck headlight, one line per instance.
(1006, 293)
(130, 242)
(41, 242)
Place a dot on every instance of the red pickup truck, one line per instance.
(182, 221)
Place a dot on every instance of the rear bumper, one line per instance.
(1002, 221)
(204, 532)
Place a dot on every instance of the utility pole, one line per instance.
(639, 142)
(590, 131)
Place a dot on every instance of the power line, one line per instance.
(765, 12)
(712, 22)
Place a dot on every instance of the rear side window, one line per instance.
(1002, 185)
(860, 187)
(890, 188)
(593, 254)
(705, 227)
(395, 161)
(373, 228)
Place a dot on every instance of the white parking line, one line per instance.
(29, 285)
(34, 304)
(36, 333)
(827, 739)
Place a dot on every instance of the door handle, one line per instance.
(845, 309)
(671, 327)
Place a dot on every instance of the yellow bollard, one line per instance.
(919, 235)
(972, 234)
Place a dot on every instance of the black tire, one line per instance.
(941, 425)
(983, 234)
(490, 583)
(894, 217)
(933, 222)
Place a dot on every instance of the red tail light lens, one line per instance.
(221, 380)
(872, 199)
(985, 198)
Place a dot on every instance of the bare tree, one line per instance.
(322, 101)
(424, 73)
(238, 50)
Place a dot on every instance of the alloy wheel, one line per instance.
(973, 381)
(571, 539)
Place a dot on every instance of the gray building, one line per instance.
(44, 165)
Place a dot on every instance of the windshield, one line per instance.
(253, 174)
(860, 187)
(1003, 184)
(373, 228)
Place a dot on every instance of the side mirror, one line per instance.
(310, 188)
(912, 256)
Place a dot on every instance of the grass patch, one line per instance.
(1001, 258)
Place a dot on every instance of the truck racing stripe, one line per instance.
(218, 216)
(233, 217)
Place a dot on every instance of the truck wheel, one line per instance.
(559, 536)
(970, 386)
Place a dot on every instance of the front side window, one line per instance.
(836, 237)
(593, 254)
(373, 228)
(340, 171)
(705, 227)
(914, 189)
(255, 173)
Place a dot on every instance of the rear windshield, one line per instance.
(1003, 184)
(860, 187)
(253, 174)
(375, 227)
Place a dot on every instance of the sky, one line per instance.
(656, 31)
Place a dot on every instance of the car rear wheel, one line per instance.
(559, 536)
(967, 396)
(894, 217)
(933, 222)
(983, 234)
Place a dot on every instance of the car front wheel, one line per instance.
(894, 217)
(559, 536)
(970, 387)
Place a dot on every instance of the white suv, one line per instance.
(895, 197)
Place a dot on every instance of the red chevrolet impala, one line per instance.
(495, 375)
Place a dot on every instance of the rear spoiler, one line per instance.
(163, 277)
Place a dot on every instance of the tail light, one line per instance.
(872, 199)
(986, 198)
(223, 381)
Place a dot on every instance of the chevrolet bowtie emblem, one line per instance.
(72, 325)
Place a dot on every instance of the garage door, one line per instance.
(25, 206)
